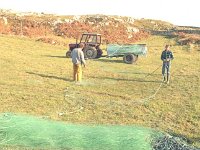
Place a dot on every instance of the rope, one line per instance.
(139, 101)
(143, 100)
(71, 112)
(150, 97)
(70, 95)
(152, 71)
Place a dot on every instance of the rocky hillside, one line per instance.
(114, 29)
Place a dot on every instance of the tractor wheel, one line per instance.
(130, 58)
(90, 52)
(68, 54)
(99, 53)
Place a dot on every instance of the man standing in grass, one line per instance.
(166, 57)
(78, 60)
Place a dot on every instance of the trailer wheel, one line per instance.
(130, 58)
(90, 52)
(68, 54)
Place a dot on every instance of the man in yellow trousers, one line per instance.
(78, 60)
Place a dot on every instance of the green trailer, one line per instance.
(129, 52)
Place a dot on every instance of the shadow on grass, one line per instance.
(122, 79)
(49, 76)
(54, 56)
(109, 60)
(145, 74)
(140, 73)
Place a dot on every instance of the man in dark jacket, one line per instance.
(166, 57)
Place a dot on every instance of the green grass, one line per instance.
(36, 79)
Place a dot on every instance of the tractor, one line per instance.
(92, 42)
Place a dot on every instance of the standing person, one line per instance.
(78, 60)
(166, 57)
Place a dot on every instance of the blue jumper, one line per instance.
(166, 57)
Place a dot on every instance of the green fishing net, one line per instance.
(29, 132)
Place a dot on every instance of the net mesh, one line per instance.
(29, 132)
(33, 132)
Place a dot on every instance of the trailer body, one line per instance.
(129, 52)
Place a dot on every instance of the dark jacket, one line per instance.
(167, 55)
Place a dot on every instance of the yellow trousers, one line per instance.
(77, 72)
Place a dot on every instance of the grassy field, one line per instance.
(36, 79)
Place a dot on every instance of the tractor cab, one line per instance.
(92, 42)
